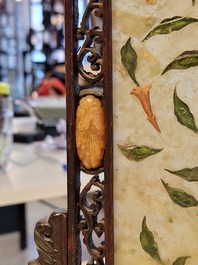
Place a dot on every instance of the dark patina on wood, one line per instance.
(97, 45)
(88, 216)
(50, 237)
(73, 171)
(90, 208)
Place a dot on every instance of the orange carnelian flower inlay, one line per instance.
(143, 95)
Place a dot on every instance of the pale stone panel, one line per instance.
(138, 190)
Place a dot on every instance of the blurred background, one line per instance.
(31, 42)
(32, 55)
(32, 58)
(32, 62)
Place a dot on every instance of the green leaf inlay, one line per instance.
(181, 261)
(188, 174)
(138, 153)
(129, 59)
(184, 61)
(180, 197)
(169, 25)
(183, 114)
(148, 243)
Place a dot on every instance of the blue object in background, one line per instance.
(65, 167)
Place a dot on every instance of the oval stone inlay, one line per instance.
(90, 132)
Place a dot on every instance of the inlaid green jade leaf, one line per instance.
(148, 243)
(169, 25)
(183, 113)
(184, 61)
(129, 59)
(189, 174)
(181, 261)
(180, 197)
(138, 153)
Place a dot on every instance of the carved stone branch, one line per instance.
(50, 236)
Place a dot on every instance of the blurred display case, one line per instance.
(31, 42)
(45, 38)
(12, 44)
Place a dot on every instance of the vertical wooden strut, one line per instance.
(108, 161)
(73, 176)
(94, 53)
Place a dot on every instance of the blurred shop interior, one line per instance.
(31, 43)
(32, 58)
(33, 164)
(33, 160)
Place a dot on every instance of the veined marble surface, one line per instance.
(138, 190)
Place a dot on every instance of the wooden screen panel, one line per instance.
(84, 218)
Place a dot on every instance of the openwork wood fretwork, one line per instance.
(91, 35)
(91, 223)
(88, 223)
(88, 69)
(50, 237)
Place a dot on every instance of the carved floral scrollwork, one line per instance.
(92, 36)
(90, 225)
(50, 237)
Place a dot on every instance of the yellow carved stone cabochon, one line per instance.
(155, 99)
(90, 132)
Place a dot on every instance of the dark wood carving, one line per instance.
(90, 224)
(90, 208)
(91, 35)
(50, 236)
(108, 108)
(91, 61)
(73, 171)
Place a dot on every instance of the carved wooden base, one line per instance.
(51, 239)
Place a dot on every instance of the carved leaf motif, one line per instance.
(183, 113)
(180, 197)
(50, 236)
(45, 247)
(184, 61)
(169, 25)
(138, 153)
(181, 261)
(129, 59)
(189, 174)
(148, 242)
(90, 132)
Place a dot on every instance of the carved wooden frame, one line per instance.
(103, 254)
(58, 238)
